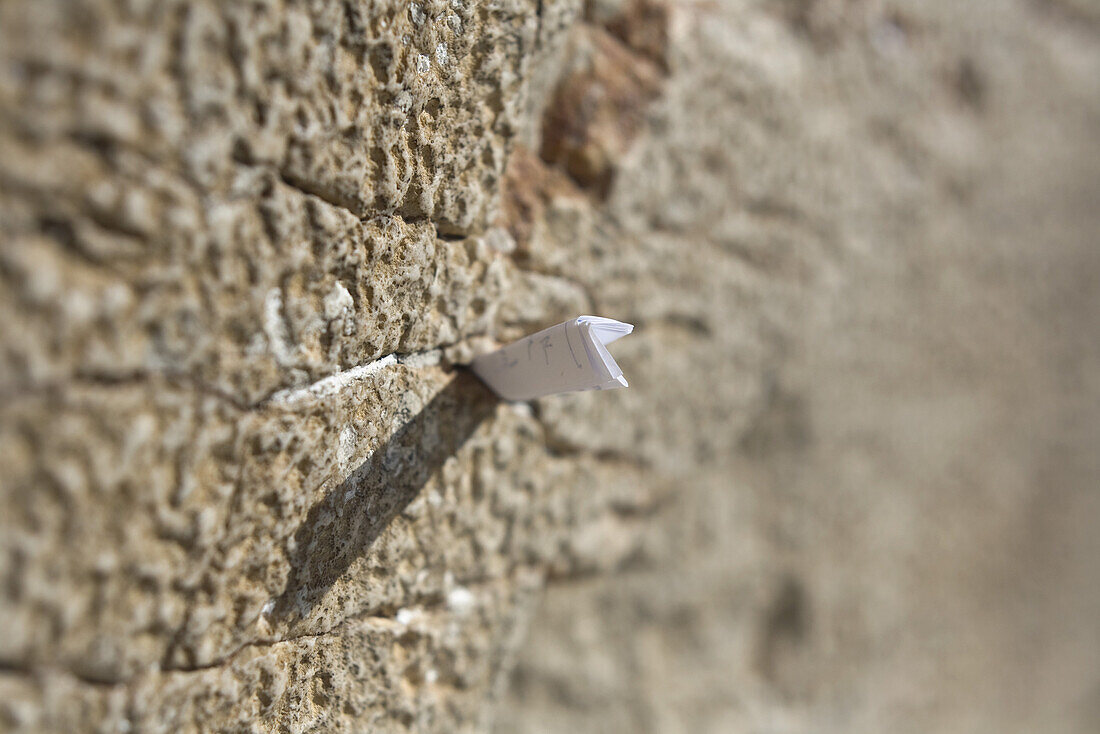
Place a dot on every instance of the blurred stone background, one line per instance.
(247, 485)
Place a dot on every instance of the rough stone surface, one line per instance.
(248, 487)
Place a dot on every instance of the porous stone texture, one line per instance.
(247, 485)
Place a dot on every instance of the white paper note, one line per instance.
(568, 357)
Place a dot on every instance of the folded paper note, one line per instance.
(564, 358)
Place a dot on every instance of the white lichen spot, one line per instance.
(78, 307)
(405, 617)
(268, 608)
(441, 56)
(117, 298)
(275, 328)
(403, 102)
(416, 12)
(500, 239)
(431, 676)
(423, 64)
(460, 601)
(346, 448)
(105, 562)
(455, 22)
(338, 302)
(43, 284)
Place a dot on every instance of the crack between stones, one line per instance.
(545, 273)
(272, 642)
(121, 379)
(10, 668)
(383, 616)
(138, 377)
(306, 188)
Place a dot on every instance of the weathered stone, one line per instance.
(398, 107)
(846, 379)
(273, 289)
(247, 485)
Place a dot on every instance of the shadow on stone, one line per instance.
(340, 528)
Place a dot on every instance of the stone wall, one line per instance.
(247, 248)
